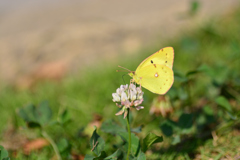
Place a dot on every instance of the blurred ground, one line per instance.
(46, 39)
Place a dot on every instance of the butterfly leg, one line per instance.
(140, 83)
(131, 81)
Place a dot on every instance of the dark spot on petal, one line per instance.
(166, 62)
(151, 61)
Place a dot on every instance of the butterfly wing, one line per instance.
(156, 78)
(164, 57)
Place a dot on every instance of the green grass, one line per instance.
(215, 44)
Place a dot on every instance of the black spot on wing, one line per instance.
(153, 64)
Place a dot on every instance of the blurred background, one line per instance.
(58, 62)
(47, 39)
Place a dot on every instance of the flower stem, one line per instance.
(45, 135)
(129, 135)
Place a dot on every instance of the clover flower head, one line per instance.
(161, 106)
(127, 97)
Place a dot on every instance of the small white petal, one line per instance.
(125, 114)
(139, 107)
(138, 102)
(123, 87)
(139, 90)
(127, 104)
(120, 112)
(140, 95)
(119, 91)
(133, 95)
(132, 86)
(126, 86)
(124, 97)
(118, 105)
(116, 97)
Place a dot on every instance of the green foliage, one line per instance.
(109, 126)
(115, 155)
(223, 102)
(36, 116)
(194, 7)
(64, 147)
(135, 147)
(182, 127)
(41, 117)
(149, 140)
(97, 143)
(64, 117)
(3, 153)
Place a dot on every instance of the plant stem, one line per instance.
(45, 135)
(189, 95)
(129, 135)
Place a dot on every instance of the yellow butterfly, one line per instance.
(155, 72)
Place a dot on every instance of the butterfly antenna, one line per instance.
(122, 71)
(124, 68)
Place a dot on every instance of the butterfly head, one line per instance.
(131, 73)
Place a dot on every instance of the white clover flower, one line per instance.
(128, 96)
